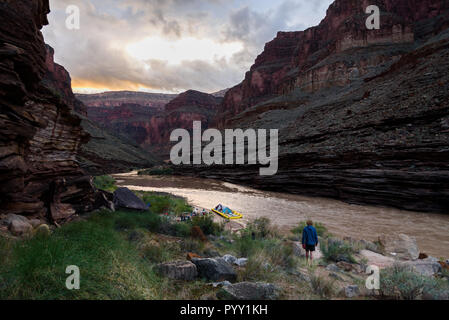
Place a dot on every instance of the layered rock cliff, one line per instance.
(150, 128)
(336, 53)
(362, 114)
(39, 134)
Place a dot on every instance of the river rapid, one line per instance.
(431, 230)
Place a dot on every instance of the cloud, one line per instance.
(98, 54)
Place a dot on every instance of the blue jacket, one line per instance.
(309, 236)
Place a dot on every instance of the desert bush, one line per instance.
(323, 287)
(257, 268)
(401, 283)
(336, 250)
(165, 203)
(207, 225)
(262, 228)
(192, 245)
(106, 183)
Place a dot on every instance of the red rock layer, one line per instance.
(39, 135)
(308, 60)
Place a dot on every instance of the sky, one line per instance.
(169, 46)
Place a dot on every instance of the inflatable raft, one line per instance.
(228, 214)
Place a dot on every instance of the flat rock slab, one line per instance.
(178, 270)
(215, 269)
(400, 246)
(249, 291)
(376, 259)
(125, 198)
(424, 267)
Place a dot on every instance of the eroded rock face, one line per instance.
(216, 269)
(331, 54)
(39, 134)
(151, 127)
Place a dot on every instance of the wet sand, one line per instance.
(286, 210)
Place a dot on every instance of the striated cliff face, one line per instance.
(118, 98)
(58, 80)
(362, 114)
(151, 128)
(336, 53)
(39, 134)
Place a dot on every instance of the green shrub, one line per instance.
(336, 250)
(134, 220)
(192, 245)
(321, 230)
(106, 183)
(166, 203)
(261, 228)
(207, 225)
(401, 283)
(257, 268)
(246, 246)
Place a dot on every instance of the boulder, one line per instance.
(125, 198)
(215, 269)
(351, 291)
(249, 291)
(377, 259)
(400, 246)
(14, 217)
(178, 270)
(20, 228)
(36, 223)
(426, 268)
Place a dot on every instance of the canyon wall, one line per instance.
(363, 115)
(39, 134)
(150, 128)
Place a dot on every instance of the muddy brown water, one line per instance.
(286, 210)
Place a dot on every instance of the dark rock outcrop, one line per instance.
(215, 269)
(39, 134)
(125, 198)
(362, 114)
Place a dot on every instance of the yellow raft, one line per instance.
(230, 216)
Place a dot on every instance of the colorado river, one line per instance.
(343, 220)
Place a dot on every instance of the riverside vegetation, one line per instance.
(117, 253)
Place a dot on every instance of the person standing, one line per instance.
(309, 240)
